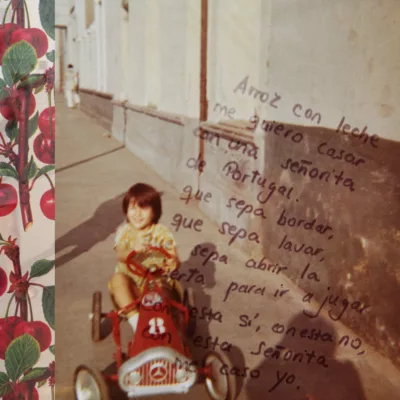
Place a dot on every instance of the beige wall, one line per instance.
(297, 50)
(336, 57)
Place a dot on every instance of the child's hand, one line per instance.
(140, 247)
(170, 264)
(122, 252)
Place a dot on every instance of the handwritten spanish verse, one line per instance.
(292, 228)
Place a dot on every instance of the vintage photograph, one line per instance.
(227, 199)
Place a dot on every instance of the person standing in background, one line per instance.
(71, 87)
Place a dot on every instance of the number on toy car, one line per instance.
(156, 326)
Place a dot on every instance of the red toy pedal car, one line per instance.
(158, 359)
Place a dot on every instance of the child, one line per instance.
(142, 208)
(71, 87)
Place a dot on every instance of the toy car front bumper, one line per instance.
(159, 370)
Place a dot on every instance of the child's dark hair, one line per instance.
(70, 66)
(144, 195)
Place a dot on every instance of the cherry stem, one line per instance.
(9, 305)
(50, 114)
(2, 139)
(33, 182)
(16, 309)
(13, 16)
(6, 12)
(23, 149)
(38, 284)
(51, 183)
(20, 14)
(30, 305)
(27, 14)
(52, 393)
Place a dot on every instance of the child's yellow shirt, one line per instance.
(156, 235)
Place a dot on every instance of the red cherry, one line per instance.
(24, 327)
(8, 324)
(3, 281)
(21, 391)
(7, 333)
(8, 199)
(5, 340)
(37, 329)
(48, 204)
(5, 38)
(44, 149)
(12, 108)
(24, 390)
(44, 122)
(43, 334)
(36, 37)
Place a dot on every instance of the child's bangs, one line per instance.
(142, 200)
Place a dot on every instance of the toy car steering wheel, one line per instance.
(141, 264)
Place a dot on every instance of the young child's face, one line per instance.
(139, 217)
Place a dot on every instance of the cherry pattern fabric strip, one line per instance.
(27, 199)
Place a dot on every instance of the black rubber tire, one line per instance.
(96, 317)
(97, 376)
(228, 381)
(189, 303)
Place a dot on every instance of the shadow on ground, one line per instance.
(306, 368)
(105, 220)
(203, 303)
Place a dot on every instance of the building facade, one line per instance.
(61, 23)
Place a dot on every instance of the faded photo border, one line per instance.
(27, 199)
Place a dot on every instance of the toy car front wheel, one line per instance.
(219, 385)
(96, 317)
(89, 384)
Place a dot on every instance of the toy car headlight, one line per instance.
(181, 374)
(135, 378)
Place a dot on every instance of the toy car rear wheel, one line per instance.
(219, 386)
(89, 384)
(96, 317)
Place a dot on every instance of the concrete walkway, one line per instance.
(93, 173)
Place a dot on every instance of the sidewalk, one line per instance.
(93, 173)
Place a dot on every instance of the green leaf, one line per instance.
(30, 170)
(33, 81)
(48, 304)
(33, 124)
(3, 90)
(5, 386)
(41, 267)
(19, 60)
(47, 16)
(7, 79)
(22, 354)
(46, 169)
(51, 56)
(12, 130)
(8, 170)
(39, 89)
(41, 383)
(34, 374)
(52, 348)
